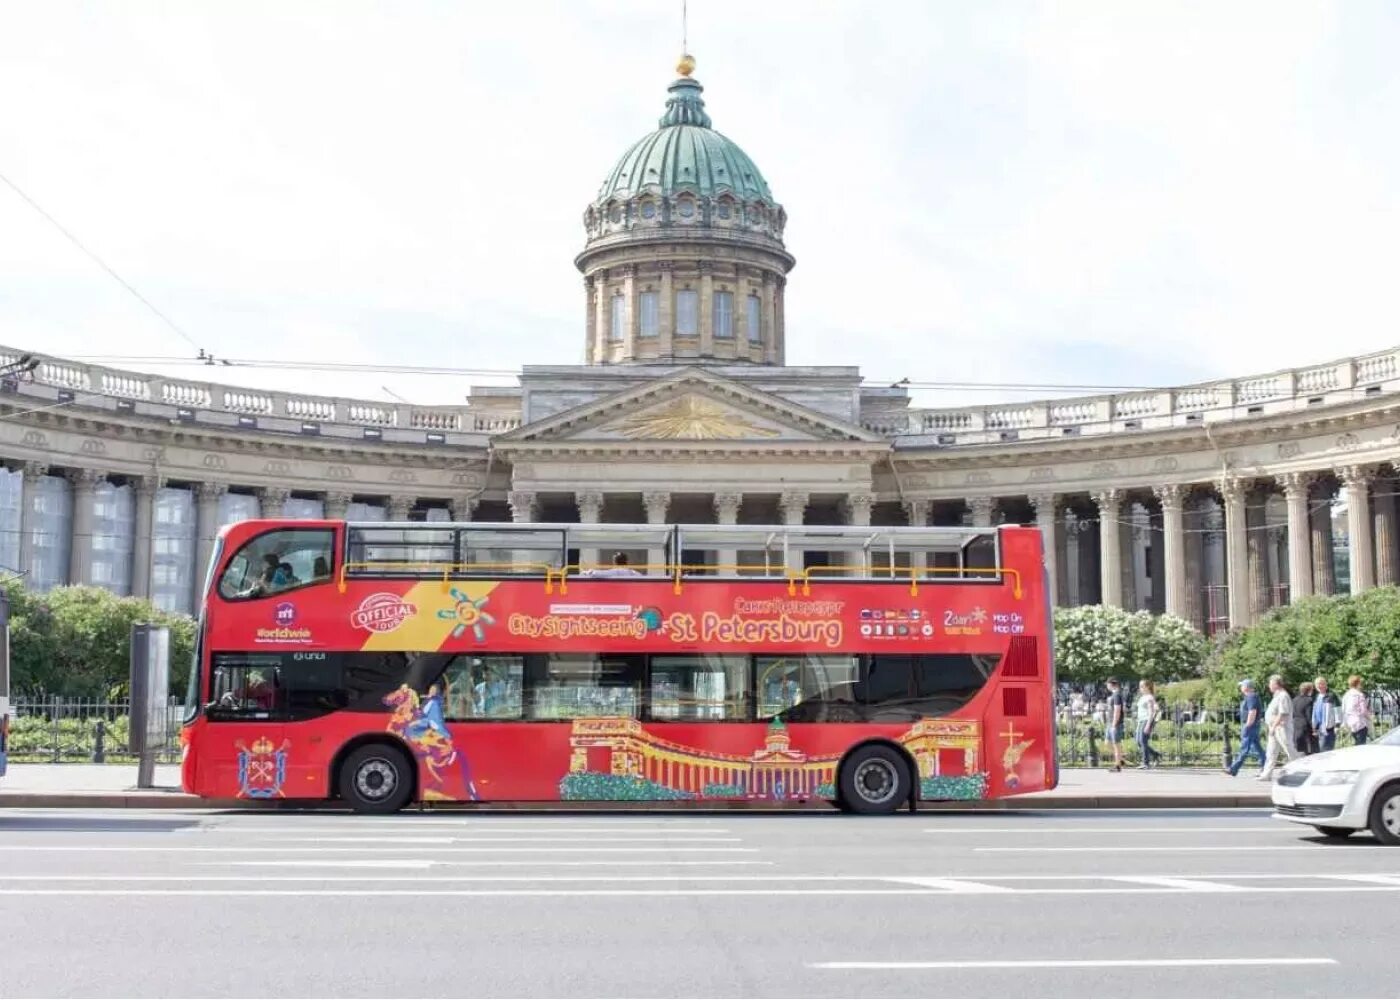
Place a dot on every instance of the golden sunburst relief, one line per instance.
(693, 418)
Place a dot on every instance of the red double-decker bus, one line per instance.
(382, 663)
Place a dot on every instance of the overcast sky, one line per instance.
(1073, 192)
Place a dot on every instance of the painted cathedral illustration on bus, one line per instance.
(618, 758)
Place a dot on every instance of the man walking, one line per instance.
(1326, 717)
(1303, 740)
(1278, 721)
(1251, 716)
(1113, 724)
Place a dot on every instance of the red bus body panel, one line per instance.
(1000, 743)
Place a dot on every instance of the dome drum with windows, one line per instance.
(685, 257)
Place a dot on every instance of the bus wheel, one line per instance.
(874, 779)
(376, 778)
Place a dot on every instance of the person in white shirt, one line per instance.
(1278, 724)
(1356, 713)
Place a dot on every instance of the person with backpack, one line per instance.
(1116, 717)
(1356, 713)
(1326, 716)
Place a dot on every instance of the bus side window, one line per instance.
(277, 561)
(246, 686)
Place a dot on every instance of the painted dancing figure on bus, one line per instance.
(419, 723)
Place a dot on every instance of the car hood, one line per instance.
(1350, 759)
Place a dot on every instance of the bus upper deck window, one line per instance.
(278, 561)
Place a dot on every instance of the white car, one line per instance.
(1342, 791)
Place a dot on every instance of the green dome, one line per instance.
(686, 154)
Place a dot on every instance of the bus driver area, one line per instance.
(477, 662)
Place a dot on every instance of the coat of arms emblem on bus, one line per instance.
(262, 768)
(468, 614)
(446, 774)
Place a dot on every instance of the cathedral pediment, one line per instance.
(690, 406)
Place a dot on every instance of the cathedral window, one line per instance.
(753, 309)
(724, 314)
(648, 210)
(649, 303)
(687, 312)
(686, 208)
(619, 318)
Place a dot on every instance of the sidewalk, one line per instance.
(112, 786)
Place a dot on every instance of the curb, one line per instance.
(179, 800)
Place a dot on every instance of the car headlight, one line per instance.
(1334, 777)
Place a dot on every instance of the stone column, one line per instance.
(1194, 577)
(1110, 504)
(1047, 510)
(707, 309)
(601, 320)
(792, 505)
(741, 312)
(336, 505)
(634, 320)
(1256, 548)
(1170, 496)
(590, 511)
(462, 508)
(399, 505)
(1356, 482)
(272, 500)
(206, 499)
(30, 472)
(1300, 569)
(84, 483)
(657, 505)
(666, 310)
(857, 507)
(590, 320)
(780, 317)
(1324, 565)
(916, 513)
(727, 512)
(1127, 554)
(770, 332)
(141, 555)
(1232, 493)
(522, 505)
(982, 509)
(1383, 518)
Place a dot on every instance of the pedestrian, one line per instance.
(1147, 712)
(1302, 720)
(1278, 726)
(1326, 716)
(1116, 715)
(1356, 713)
(1251, 718)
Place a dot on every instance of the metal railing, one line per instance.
(54, 730)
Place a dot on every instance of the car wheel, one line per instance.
(874, 779)
(1335, 832)
(1385, 814)
(376, 778)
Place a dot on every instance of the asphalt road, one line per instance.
(1063, 904)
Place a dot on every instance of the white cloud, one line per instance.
(1096, 192)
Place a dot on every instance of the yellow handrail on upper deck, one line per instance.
(446, 570)
(913, 572)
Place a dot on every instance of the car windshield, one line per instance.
(1392, 738)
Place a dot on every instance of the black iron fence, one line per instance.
(1187, 734)
(52, 730)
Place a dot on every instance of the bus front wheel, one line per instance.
(874, 779)
(376, 778)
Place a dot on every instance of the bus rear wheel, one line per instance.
(376, 778)
(874, 779)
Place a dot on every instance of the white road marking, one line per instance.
(1184, 884)
(1076, 963)
(1377, 878)
(970, 830)
(679, 892)
(110, 848)
(1145, 849)
(477, 863)
(949, 884)
(404, 826)
(499, 840)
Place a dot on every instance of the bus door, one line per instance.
(245, 747)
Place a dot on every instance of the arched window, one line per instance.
(618, 319)
(754, 309)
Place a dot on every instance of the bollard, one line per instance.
(1093, 747)
(99, 749)
(1227, 756)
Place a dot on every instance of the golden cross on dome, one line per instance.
(686, 65)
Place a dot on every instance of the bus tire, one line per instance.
(376, 778)
(874, 779)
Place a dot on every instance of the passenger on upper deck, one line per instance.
(619, 567)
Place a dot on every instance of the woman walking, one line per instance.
(1147, 712)
(1356, 713)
